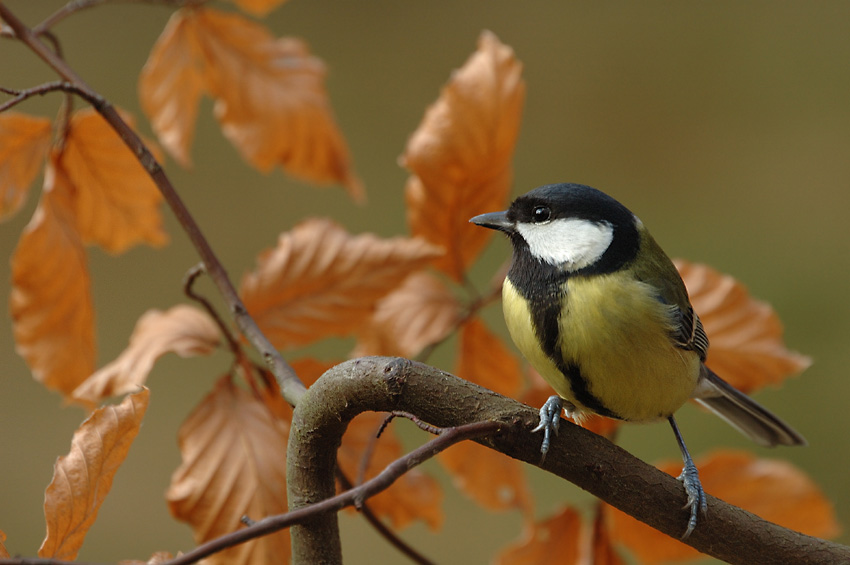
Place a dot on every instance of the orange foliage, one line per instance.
(234, 465)
(269, 95)
(775, 490)
(4, 553)
(461, 152)
(23, 145)
(82, 479)
(746, 348)
(51, 302)
(420, 312)
(183, 330)
(556, 538)
(491, 479)
(321, 281)
(115, 203)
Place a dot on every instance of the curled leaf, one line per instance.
(51, 303)
(555, 538)
(773, 489)
(116, 204)
(420, 312)
(183, 330)
(321, 281)
(460, 155)
(24, 141)
(234, 465)
(83, 478)
(747, 348)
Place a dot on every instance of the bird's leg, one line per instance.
(550, 419)
(690, 480)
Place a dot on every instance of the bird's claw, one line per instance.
(550, 419)
(696, 495)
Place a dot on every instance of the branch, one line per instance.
(291, 387)
(577, 455)
(332, 505)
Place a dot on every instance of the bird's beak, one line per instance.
(494, 221)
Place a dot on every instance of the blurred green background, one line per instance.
(724, 125)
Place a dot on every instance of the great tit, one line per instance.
(600, 311)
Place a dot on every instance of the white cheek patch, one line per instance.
(570, 242)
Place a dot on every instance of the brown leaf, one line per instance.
(171, 85)
(82, 479)
(600, 550)
(157, 558)
(491, 479)
(555, 539)
(269, 93)
(460, 155)
(421, 312)
(234, 465)
(413, 496)
(4, 553)
(746, 334)
(321, 281)
(51, 303)
(183, 330)
(773, 489)
(258, 8)
(24, 141)
(116, 204)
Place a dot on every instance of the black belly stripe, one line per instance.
(547, 327)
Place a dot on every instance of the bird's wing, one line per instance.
(689, 333)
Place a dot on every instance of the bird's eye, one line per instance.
(540, 214)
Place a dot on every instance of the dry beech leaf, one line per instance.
(24, 141)
(171, 85)
(4, 553)
(414, 496)
(82, 479)
(746, 334)
(157, 558)
(600, 548)
(116, 204)
(421, 312)
(773, 489)
(258, 8)
(460, 155)
(51, 303)
(269, 94)
(184, 330)
(491, 479)
(320, 281)
(234, 465)
(555, 539)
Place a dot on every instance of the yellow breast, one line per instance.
(615, 330)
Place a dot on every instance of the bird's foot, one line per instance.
(550, 419)
(696, 495)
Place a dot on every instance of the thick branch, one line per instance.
(290, 386)
(582, 457)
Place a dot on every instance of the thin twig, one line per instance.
(40, 90)
(78, 5)
(188, 289)
(290, 385)
(431, 429)
(348, 498)
(382, 529)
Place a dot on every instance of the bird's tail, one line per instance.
(743, 413)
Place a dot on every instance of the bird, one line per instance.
(599, 310)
